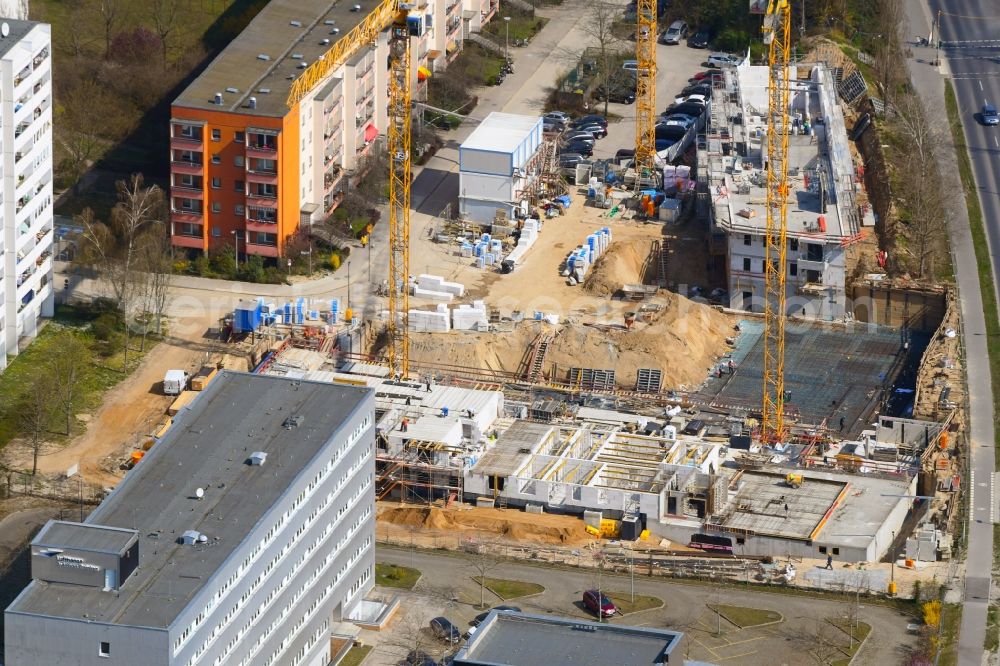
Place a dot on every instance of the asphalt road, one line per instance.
(447, 578)
(971, 58)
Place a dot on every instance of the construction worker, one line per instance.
(841, 423)
(732, 366)
(405, 425)
(829, 561)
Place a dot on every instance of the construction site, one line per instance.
(555, 364)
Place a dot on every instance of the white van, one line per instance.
(174, 382)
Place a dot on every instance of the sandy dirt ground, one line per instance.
(684, 338)
(132, 411)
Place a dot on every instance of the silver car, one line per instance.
(677, 31)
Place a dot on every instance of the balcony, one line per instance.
(808, 265)
(262, 250)
(262, 200)
(183, 215)
(183, 142)
(179, 240)
(263, 177)
(262, 151)
(331, 201)
(262, 226)
(331, 178)
(187, 167)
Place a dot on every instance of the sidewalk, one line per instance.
(928, 82)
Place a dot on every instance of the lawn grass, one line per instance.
(355, 655)
(992, 629)
(744, 617)
(522, 25)
(97, 374)
(391, 575)
(979, 242)
(625, 605)
(951, 620)
(860, 631)
(510, 589)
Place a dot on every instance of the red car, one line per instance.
(590, 601)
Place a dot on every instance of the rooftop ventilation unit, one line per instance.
(295, 24)
(329, 22)
(335, 31)
(193, 537)
(263, 56)
(303, 64)
(258, 458)
(296, 56)
(233, 90)
(264, 91)
(252, 103)
(218, 99)
(324, 41)
(293, 422)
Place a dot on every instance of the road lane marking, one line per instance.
(981, 85)
(996, 141)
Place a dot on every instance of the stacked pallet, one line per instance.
(470, 317)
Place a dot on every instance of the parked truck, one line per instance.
(174, 382)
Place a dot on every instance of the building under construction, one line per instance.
(827, 207)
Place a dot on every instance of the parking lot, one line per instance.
(446, 588)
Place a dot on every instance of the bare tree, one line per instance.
(155, 270)
(599, 24)
(483, 560)
(65, 368)
(115, 249)
(34, 410)
(111, 14)
(164, 15)
(888, 47)
(88, 115)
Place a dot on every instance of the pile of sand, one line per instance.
(625, 262)
(510, 524)
(683, 340)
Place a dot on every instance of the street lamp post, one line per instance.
(289, 267)
(236, 242)
(348, 283)
(506, 20)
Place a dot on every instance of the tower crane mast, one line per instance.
(389, 14)
(777, 37)
(645, 92)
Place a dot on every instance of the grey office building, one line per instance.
(239, 539)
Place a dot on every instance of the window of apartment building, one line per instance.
(216, 183)
(238, 185)
(746, 264)
(216, 231)
(187, 131)
(240, 210)
(216, 207)
(186, 180)
(187, 156)
(747, 239)
(238, 161)
(793, 268)
(793, 244)
(240, 137)
(216, 159)
(104, 650)
(216, 135)
(189, 229)
(187, 204)
(822, 549)
(814, 252)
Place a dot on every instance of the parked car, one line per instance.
(579, 135)
(552, 126)
(599, 131)
(631, 65)
(672, 132)
(707, 77)
(570, 160)
(557, 116)
(620, 94)
(990, 116)
(478, 620)
(443, 629)
(700, 39)
(677, 31)
(722, 59)
(589, 120)
(598, 603)
(581, 147)
(688, 109)
(693, 99)
(678, 119)
(419, 658)
(624, 154)
(697, 88)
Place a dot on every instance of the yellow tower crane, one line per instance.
(777, 37)
(389, 14)
(645, 92)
